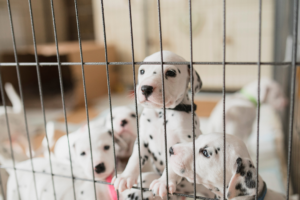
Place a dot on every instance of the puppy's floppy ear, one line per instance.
(197, 80)
(243, 181)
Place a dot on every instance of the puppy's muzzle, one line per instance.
(124, 122)
(171, 151)
(100, 168)
(147, 90)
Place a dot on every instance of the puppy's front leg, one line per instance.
(159, 186)
(129, 177)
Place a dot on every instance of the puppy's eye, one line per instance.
(82, 153)
(171, 73)
(106, 147)
(205, 153)
(133, 115)
(142, 71)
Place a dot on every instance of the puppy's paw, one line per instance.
(124, 182)
(159, 187)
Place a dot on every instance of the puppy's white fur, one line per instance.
(179, 123)
(241, 112)
(63, 186)
(240, 171)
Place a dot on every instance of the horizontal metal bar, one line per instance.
(8, 64)
(101, 182)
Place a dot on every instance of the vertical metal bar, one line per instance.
(224, 96)
(258, 95)
(292, 95)
(146, 24)
(61, 84)
(40, 91)
(135, 98)
(163, 93)
(84, 91)
(21, 92)
(9, 135)
(108, 88)
(2, 189)
(192, 100)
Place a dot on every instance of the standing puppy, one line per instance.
(241, 108)
(178, 117)
(240, 171)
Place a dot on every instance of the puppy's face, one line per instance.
(102, 149)
(240, 172)
(275, 96)
(124, 122)
(176, 80)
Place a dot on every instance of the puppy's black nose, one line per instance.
(147, 90)
(100, 168)
(124, 122)
(171, 151)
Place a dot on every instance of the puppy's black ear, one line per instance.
(197, 80)
(243, 181)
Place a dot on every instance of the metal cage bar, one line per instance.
(224, 98)
(108, 89)
(7, 64)
(163, 93)
(292, 94)
(135, 97)
(84, 92)
(62, 94)
(41, 91)
(258, 95)
(21, 92)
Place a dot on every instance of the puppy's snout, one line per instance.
(124, 122)
(147, 90)
(171, 151)
(100, 168)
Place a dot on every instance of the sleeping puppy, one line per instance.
(102, 168)
(241, 108)
(240, 171)
(124, 123)
(178, 117)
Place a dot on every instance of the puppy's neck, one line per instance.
(186, 100)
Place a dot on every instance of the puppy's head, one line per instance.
(102, 150)
(176, 81)
(240, 172)
(124, 122)
(270, 93)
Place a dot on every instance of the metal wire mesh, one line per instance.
(59, 64)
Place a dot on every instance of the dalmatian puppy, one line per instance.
(240, 171)
(241, 108)
(124, 123)
(63, 186)
(178, 117)
(102, 168)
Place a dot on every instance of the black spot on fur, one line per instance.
(146, 157)
(144, 181)
(189, 136)
(216, 151)
(250, 183)
(154, 72)
(240, 167)
(110, 133)
(161, 163)
(149, 151)
(148, 120)
(172, 114)
(179, 71)
(82, 192)
(182, 185)
(159, 153)
(146, 145)
(151, 137)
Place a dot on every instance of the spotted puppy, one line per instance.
(102, 169)
(245, 101)
(240, 171)
(178, 117)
